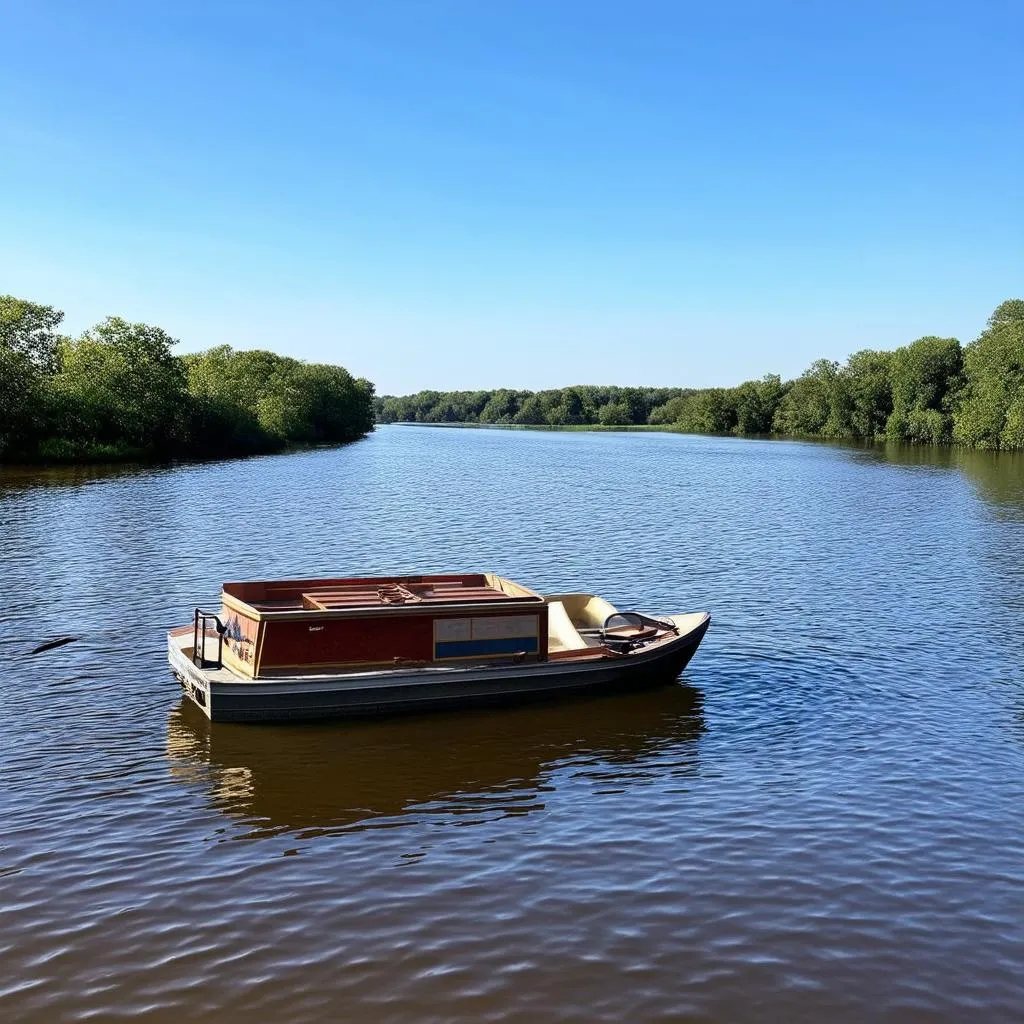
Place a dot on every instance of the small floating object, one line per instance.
(296, 649)
(51, 644)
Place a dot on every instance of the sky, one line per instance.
(462, 194)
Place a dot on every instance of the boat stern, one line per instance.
(193, 680)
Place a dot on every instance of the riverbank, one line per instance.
(119, 393)
(584, 427)
(100, 457)
(932, 391)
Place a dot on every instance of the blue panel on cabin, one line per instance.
(475, 648)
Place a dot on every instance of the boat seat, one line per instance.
(585, 611)
(562, 634)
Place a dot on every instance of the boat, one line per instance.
(322, 648)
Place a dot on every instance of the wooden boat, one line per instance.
(296, 649)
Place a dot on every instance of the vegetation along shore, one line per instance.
(932, 391)
(118, 392)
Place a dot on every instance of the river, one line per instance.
(823, 820)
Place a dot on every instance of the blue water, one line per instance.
(824, 820)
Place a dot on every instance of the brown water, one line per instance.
(824, 820)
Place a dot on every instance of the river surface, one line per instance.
(822, 821)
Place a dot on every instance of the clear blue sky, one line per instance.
(531, 194)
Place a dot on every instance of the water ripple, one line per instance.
(823, 821)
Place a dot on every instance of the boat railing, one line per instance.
(199, 637)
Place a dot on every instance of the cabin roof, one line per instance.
(340, 594)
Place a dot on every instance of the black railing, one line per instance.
(199, 639)
(645, 625)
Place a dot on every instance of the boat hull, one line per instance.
(395, 691)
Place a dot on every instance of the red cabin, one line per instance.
(293, 627)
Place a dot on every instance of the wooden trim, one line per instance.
(478, 609)
(237, 605)
(261, 633)
(582, 654)
(354, 666)
(509, 587)
(516, 658)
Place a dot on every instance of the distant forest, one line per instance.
(118, 392)
(932, 391)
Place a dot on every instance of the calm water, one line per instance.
(823, 821)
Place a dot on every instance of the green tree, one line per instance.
(614, 414)
(258, 400)
(28, 344)
(340, 405)
(756, 402)
(990, 411)
(395, 409)
(446, 410)
(634, 399)
(811, 404)
(870, 392)
(571, 408)
(532, 411)
(501, 407)
(709, 411)
(671, 411)
(119, 387)
(30, 329)
(925, 378)
(225, 387)
(21, 397)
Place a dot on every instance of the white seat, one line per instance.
(562, 635)
(585, 611)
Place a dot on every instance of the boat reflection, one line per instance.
(471, 765)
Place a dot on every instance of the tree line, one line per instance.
(573, 406)
(932, 391)
(118, 391)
